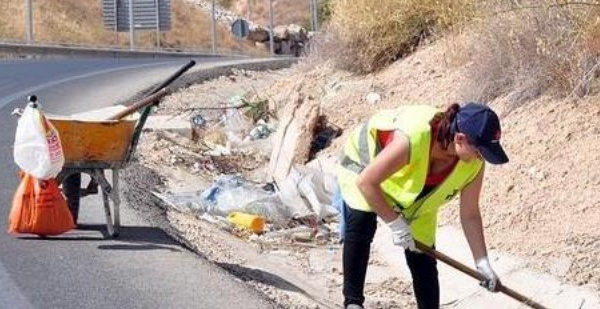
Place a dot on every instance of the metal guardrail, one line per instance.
(58, 50)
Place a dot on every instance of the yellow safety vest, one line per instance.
(404, 186)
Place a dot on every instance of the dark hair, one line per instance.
(442, 124)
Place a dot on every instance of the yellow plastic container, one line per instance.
(254, 223)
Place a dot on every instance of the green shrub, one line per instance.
(324, 11)
(225, 3)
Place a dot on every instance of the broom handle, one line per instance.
(473, 273)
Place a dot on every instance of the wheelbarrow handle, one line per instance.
(173, 77)
(473, 273)
(146, 111)
(140, 104)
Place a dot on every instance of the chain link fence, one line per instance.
(195, 25)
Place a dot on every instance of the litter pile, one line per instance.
(218, 151)
(237, 132)
(254, 157)
(301, 205)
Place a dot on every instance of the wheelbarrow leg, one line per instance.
(116, 200)
(109, 225)
(106, 191)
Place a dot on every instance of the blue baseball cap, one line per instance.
(482, 126)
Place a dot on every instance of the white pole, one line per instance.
(316, 14)
(250, 10)
(116, 10)
(271, 39)
(29, 22)
(311, 14)
(131, 26)
(214, 28)
(156, 4)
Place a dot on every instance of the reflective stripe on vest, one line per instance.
(403, 187)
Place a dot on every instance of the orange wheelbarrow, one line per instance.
(94, 147)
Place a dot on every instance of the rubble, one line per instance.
(171, 124)
(288, 39)
(294, 136)
(195, 173)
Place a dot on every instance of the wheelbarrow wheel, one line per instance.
(72, 190)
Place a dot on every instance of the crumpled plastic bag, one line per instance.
(37, 148)
(308, 191)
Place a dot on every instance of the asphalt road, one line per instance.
(143, 268)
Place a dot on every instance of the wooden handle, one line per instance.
(140, 104)
(473, 273)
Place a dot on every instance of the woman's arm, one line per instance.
(391, 159)
(470, 217)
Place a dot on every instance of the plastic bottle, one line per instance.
(254, 223)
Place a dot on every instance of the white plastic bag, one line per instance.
(305, 192)
(237, 126)
(37, 149)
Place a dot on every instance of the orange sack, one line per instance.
(40, 208)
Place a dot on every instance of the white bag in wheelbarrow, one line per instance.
(37, 148)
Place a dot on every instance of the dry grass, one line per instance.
(365, 36)
(523, 48)
(12, 18)
(533, 48)
(68, 21)
(80, 22)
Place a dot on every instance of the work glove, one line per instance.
(490, 279)
(401, 233)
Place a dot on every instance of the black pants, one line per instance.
(360, 229)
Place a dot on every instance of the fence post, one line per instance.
(316, 14)
(214, 28)
(131, 27)
(29, 21)
(157, 5)
(250, 10)
(271, 34)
